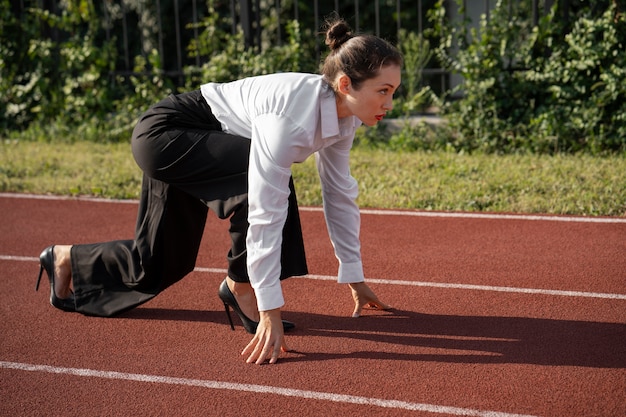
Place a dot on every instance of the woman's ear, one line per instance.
(344, 84)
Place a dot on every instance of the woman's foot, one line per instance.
(226, 294)
(62, 271)
(61, 295)
(244, 294)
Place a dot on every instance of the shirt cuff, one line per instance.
(269, 298)
(350, 273)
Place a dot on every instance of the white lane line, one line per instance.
(456, 286)
(494, 216)
(259, 389)
(65, 198)
(390, 212)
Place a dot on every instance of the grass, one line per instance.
(81, 168)
(441, 181)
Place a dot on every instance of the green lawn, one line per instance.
(562, 184)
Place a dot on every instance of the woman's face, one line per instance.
(372, 100)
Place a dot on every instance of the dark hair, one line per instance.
(360, 57)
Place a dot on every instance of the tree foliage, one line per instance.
(557, 86)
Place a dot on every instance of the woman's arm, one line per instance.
(276, 143)
(343, 219)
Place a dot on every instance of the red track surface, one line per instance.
(444, 350)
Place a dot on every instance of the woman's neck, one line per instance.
(342, 109)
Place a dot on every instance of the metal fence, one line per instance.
(176, 23)
(169, 25)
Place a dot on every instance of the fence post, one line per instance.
(245, 10)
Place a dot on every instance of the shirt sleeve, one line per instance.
(343, 219)
(274, 146)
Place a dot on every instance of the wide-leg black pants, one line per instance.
(189, 166)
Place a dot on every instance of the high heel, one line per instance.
(46, 261)
(229, 300)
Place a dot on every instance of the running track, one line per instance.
(494, 316)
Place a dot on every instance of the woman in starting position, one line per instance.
(229, 148)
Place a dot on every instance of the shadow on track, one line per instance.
(487, 339)
(460, 339)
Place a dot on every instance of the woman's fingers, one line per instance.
(260, 349)
(378, 305)
(269, 340)
(364, 297)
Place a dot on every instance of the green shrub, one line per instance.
(229, 60)
(417, 53)
(559, 86)
(586, 81)
(542, 89)
(44, 79)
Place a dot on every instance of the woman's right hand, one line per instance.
(269, 340)
(364, 297)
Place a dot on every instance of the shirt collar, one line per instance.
(330, 123)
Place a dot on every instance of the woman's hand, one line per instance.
(269, 339)
(364, 297)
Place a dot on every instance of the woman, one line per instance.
(229, 147)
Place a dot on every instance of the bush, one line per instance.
(231, 60)
(65, 75)
(559, 86)
(542, 89)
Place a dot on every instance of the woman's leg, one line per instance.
(112, 277)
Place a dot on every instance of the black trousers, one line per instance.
(189, 166)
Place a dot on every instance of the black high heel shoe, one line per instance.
(46, 260)
(229, 299)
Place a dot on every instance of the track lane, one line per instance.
(474, 350)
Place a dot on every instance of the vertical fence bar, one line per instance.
(398, 23)
(233, 27)
(160, 28)
(107, 23)
(140, 12)
(278, 33)
(377, 16)
(107, 30)
(179, 57)
(195, 29)
(316, 22)
(257, 8)
(125, 38)
(420, 17)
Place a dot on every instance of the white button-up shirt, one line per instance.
(288, 117)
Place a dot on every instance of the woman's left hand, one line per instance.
(269, 340)
(364, 297)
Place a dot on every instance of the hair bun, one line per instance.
(337, 34)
